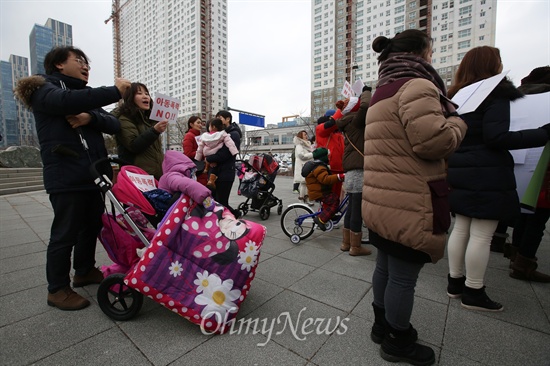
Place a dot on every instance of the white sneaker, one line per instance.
(295, 191)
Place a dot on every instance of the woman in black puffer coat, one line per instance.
(481, 176)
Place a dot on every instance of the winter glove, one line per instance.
(341, 177)
(337, 115)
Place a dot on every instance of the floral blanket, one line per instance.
(200, 264)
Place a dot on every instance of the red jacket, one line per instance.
(190, 147)
(334, 142)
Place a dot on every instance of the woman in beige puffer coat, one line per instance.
(411, 128)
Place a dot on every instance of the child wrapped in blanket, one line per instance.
(178, 176)
(178, 171)
(319, 182)
(210, 143)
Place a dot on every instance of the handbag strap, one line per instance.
(355, 147)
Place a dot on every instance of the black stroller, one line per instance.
(257, 176)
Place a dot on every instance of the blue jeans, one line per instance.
(393, 284)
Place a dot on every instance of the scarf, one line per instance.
(406, 65)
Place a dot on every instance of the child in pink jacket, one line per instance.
(210, 143)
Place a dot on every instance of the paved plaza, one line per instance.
(311, 280)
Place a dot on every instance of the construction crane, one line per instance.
(115, 17)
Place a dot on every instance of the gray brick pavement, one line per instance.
(314, 278)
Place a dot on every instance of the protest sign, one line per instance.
(142, 182)
(346, 90)
(358, 87)
(165, 108)
(471, 96)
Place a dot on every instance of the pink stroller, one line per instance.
(121, 236)
(196, 258)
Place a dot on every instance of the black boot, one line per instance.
(498, 242)
(401, 346)
(477, 299)
(381, 325)
(455, 286)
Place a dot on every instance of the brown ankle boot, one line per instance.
(95, 276)
(355, 245)
(345, 241)
(524, 268)
(212, 181)
(67, 299)
(510, 252)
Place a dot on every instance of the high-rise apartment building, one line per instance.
(16, 121)
(177, 48)
(8, 109)
(343, 31)
(44, 37)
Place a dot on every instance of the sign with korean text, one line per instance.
(346, 90)
(142, 182)
(165, 108)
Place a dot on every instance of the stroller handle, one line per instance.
(101, 180)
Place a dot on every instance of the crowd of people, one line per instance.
(409, 161)
(404, 156)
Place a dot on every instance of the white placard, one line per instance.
(165, 108)
(471, 96)
(346, 90)
(142, 182)
(531, 111)
(358, 87)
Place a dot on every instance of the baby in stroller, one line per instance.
(319, 181)
(210, 143)
(177, 176)
(177, 179)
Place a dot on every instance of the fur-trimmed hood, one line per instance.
(506, 90)
(27, 86)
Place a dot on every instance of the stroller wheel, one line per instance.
(280, 209)
(117, 300)
(243, 207)
(264, 212)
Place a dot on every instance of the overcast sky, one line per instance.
(269, 45)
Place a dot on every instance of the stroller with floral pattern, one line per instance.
(199, 263)
(257, 185)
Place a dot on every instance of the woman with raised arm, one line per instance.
(481, 175)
